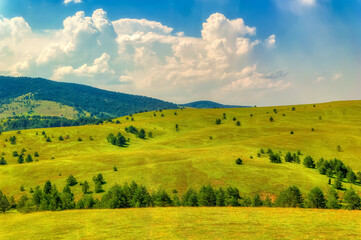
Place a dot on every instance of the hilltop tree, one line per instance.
(316, 199)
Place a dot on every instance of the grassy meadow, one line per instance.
(188, 157)
(184, 223)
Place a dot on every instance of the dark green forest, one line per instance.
(100, 103)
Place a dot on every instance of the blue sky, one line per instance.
(263, 52)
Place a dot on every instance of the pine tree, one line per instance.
(4, 203)
(85, 187)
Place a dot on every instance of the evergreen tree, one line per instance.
(3, 161)
(141, 198)
(267, 202)
(61, 138)
(206, 196)
(29, 158)
(36, 154)
(288, 157)
(308, 162)
(257, 201)
(21, 159)
(352, 200)
(4, 203)
(115, 197)
(71, 181)
(239, 161)
(67, 199)
(351, 176)
(141, 134)
(337, 183)
(218, 121)
(47, 187)
(238, 123)
(190, 198)
(359, 176)
(85, 187)
(291, 197)
(232, 197)
(220, 197)
(332, 199)
(316, 199)
(98, 187)
(161, 198)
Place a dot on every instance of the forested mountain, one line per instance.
(209, 104)
(97, 102)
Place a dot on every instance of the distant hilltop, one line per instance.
(210, 104)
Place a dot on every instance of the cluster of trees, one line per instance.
(139, 133)
(118, 140)
(333, 168)
(134, 195)
(27, 122)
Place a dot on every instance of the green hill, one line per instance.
(189, 157)
(209, 104)
(83, 99)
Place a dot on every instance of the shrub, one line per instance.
(239, 161)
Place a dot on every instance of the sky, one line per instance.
(243, 52)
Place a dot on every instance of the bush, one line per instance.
(275, 158)
(239, 161)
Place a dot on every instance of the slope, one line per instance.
(100, 103)
(189, 157)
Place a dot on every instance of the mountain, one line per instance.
(210, 104)
(96, 102)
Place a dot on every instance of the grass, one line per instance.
(188, 157)
(184, 223)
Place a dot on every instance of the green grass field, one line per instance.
(189, 158)
(184, 223)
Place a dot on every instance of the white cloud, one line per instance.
(141, 56)
(74, 1)
(327, 76)
(271, 41)
(296, 6)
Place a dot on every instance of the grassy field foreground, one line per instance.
(184, 223)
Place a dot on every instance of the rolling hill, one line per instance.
(83, 99)
(199, 153)
(210, 104)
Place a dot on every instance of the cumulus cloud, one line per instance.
(141, 56)
(66, 2)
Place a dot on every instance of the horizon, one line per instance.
(264, 53)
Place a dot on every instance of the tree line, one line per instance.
(133, 195)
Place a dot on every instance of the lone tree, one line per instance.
(239, 161)
(271, 119)
(238, 123)
(218, 121)
(176, 127)
(71, 181)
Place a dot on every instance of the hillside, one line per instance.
(209, 104)
(183, 223)
(97, 102)
(26, 105)
(189, 157)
